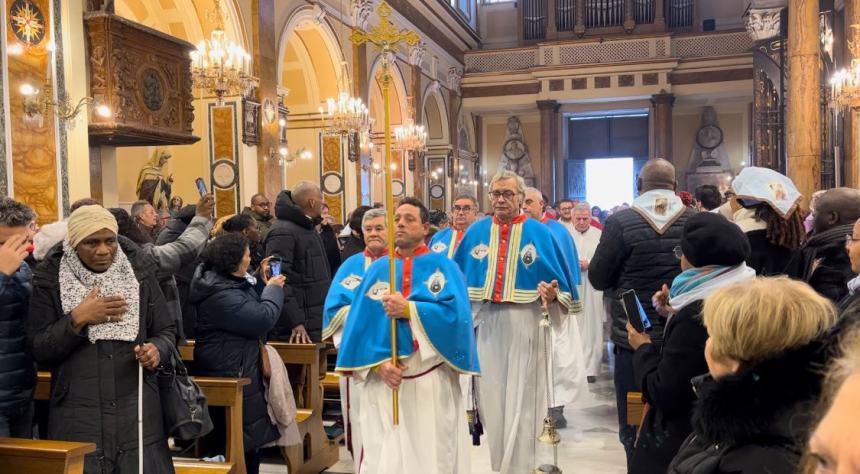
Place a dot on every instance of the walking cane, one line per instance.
(549, 435)
(139, 418)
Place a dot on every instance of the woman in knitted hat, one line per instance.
(712, 255)
(95, 314)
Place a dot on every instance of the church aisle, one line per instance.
(590, 443)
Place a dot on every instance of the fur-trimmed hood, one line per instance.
(763, 404)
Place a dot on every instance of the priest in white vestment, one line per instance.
(435, 344)
(511, 263)
(593, 315)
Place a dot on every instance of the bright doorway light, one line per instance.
(609, 181)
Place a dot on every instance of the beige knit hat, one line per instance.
(86, 221)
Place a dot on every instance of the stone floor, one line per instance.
(589, 444)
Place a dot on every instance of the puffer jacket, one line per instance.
(94, 386)
(17, 370)
(294, 238)
(231, 321)
(755, 421)
(632, 255)
(823, 263)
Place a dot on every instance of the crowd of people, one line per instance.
(749, 361)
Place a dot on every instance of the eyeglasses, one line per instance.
(508, 195)
(850, 240)
(463, 208)
(678, 252)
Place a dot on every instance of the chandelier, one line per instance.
(845, 83)
(219, 66)
(410, 137)
(345, 115)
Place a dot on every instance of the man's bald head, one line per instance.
(656, 174)
(837, 206)
(307, 196)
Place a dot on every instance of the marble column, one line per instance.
(662, 125)
(455, 101)
(360, 90)
(543, 166)
(266, 69)
(851, 138)
(416, 58)
(803, 120)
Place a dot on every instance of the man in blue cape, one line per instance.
(463, 213)
(569, 375)
(511, 263)
(337, 303)
(435, 343)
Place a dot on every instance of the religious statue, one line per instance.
(515, 152)
(151, 184)
(709, 159)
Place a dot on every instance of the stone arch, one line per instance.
(397, 95)
(434, 116)
(185, 19)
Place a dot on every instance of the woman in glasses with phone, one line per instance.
(712, 255)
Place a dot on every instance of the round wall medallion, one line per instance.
(436, 191)
(709, 137)
(224, 175)
(397, 187)
(27, 22)
(332, 183)
(514, 149)
(152, 90)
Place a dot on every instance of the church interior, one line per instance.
(575, 96)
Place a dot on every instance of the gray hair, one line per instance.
(469, 197)
(14, 213)
(582, 206)
(530, 189)
(508, 174)
(373, 214)
(138, 207)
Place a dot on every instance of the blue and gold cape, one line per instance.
(445, 241)
(342, 292)
(438, 303)
(505, 263)
(568, 248)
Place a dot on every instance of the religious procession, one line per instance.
(429, 236)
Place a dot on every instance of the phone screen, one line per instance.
(275, 266)
(635, 313)
(201, 186)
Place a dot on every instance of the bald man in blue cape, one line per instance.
(435, 343)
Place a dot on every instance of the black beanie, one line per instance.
(711, 239)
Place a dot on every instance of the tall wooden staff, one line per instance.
(386, 37)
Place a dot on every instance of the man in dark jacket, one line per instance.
(261, 210)
(636, 252)
(17, 371)
(822, 261)
(293, 238)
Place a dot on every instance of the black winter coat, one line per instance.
(351, 245)
(294, 238)
(824, 264)
(766, 258)
(756, 421)
(332, 249)
(632, 255)
(17, 370)
(231, 321)
(94, 386)
(182, 278)
(664, 374)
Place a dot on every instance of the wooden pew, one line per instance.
(318, 451)
(635, 408)
(43, 457)
(219, 391)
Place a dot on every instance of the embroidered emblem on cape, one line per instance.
(480, 251)
(378, 289)
(528, 255)
(351, 282)
(439, 247)
(436, 282)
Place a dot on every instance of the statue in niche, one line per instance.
(709, 160)
(515, 152)
(151, 183)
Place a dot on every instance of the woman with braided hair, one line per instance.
(765, 207)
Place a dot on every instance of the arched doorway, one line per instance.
(435, 120)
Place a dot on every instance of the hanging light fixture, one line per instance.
(845, 83)
(410, 137)
(219, 66)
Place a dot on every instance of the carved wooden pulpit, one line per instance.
(144, 76)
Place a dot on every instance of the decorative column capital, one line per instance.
(416, 54)
(551, 105)
(319, 14)
(361, 10)
(663, 98)
(764, 23)
(434, 86)
(455, 75)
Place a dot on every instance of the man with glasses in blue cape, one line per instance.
(511, 264)
(337, 304)
(463, 214)
(435, 344)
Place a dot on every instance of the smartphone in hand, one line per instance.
(201, 186)
(275, 266)
(635, 313)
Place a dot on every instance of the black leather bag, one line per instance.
(183, 405)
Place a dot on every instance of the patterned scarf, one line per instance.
(119, 280)
(697, 283)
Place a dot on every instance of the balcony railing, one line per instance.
(559, 19)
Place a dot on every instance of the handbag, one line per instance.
(183, 405)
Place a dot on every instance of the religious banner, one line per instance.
(331, 176)
(33, 136)
(223, 158)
